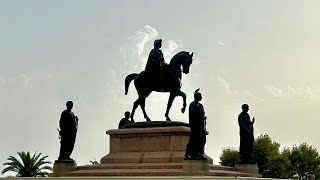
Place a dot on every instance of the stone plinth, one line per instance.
(248, 168)
(62, 167)
(196, 167)
(152, 151)
(148, 145)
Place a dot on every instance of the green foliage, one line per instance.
(28, 166)
(279, 166)
(305, 161)
(298, 162)
(230, 157)
(263, 150)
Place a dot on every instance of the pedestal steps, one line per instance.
(225, 168)
(149, 169)
(133, 166)
(127, 172)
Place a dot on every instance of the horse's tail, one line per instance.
(128, 80)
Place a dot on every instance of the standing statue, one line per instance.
(170, 79)
(155, 65)
(246, 135)
(68, 130)
(124, 121)
(197, 121)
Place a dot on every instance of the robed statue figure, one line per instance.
(246, 135)
(68, 130)
(197, 121)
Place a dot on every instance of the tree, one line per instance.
(298, 162)
(305, 161)
(229, 157)
(263, 150)
(279, 166)
(94, 161)
(28, 166)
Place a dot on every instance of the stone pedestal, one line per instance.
(248, 168)
(149, 151)
(196, 167)
(148, 145)
(62, 167)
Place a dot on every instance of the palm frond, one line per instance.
(29, 166)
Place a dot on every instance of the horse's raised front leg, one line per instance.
(184, 97)
(170, 101)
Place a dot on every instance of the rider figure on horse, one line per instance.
(155, 65)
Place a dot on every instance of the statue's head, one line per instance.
(127, 114)
(69, 105)
(157, 43)
(245, 107)
(197, 95)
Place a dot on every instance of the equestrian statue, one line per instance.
(161, 77)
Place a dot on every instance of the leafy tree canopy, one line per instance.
(298, 162)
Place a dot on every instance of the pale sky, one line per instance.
(263, 53)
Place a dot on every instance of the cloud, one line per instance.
(17, 82)
(274, 91)
(223, 83)
(220, 43)
(291, 92)
(2, 81)
(235, 93)
(250, 95)
(135, 51)
(21, 84)
(171, 47)
(141, 37)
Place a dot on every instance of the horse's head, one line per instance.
(183, 59)
(187, 62)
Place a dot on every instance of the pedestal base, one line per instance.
(153, 151)
(62, 167)
(148, 145)
(195, 167)
(248, 168)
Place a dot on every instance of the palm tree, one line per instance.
(94, 161)
(30, 166)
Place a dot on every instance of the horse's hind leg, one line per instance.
(142, 105)
(135, 105)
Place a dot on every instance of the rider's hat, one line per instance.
(157, 41)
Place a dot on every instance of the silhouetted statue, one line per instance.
(124, 121)
(171, 82)
(155, 65)
(197, 121)
(68, 130)
(246, 135)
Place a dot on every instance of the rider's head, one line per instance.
(157, 43)
(197, 95)
(69, 105)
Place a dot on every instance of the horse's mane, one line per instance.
(179, 54)
(182, 53)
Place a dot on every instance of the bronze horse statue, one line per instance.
(171, 82)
